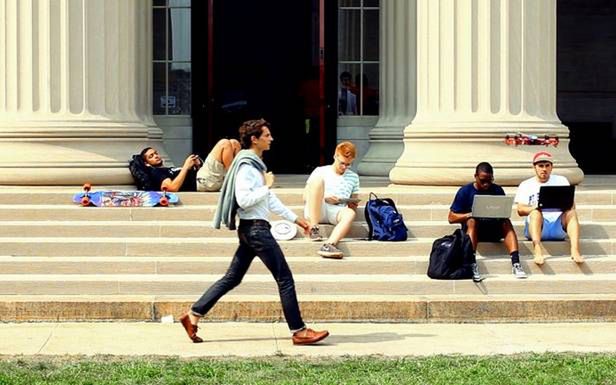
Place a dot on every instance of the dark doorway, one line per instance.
(264, 62)
(586, 75)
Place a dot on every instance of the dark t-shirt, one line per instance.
(463, 202)
(159, 174)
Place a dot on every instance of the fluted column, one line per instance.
(75, 98)
(397, 86)
(485, 68)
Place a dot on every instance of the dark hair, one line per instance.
(142, 153)
(251, 128)
(484, 167)
(345, 74)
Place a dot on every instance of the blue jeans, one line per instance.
(256, 240)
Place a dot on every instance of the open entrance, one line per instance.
(586, 73)
(264, 59)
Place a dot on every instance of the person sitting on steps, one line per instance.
(546, 225)
(325, 190)
(193, 175)
(484, 229)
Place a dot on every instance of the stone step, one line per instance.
(322, 284)
(598, 213)
(207, 247)
(365, 308)
(411, 265)
(164, 229)
(402, 195)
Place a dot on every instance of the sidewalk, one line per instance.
(265, 339)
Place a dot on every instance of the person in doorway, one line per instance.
(347, 100)
(326, 196)
(246, 190)
(194, 175)
(543, 224)
(484, 229)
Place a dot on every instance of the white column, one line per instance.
(75, 98)
(397, 86)
(485, 68)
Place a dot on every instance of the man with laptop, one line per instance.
(483, 210)
(546, 200)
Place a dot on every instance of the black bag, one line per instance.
(451, 257)
(385, 223)
(141, 174)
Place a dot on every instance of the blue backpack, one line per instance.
(385, 223)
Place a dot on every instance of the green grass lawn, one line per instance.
(535, 369)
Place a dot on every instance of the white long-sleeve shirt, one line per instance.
(255, 199)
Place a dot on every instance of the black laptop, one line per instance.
(556, 197)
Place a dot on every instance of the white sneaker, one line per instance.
(476, 276)
(518, 271)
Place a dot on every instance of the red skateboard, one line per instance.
(520, 139)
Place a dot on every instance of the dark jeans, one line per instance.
(256, 240)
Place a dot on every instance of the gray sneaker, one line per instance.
(315, 235)
(330, 251)
(476, 276)
(518, 271)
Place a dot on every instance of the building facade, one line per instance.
(425, 88)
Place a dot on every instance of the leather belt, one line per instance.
(249, 222)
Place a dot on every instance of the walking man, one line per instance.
(246, 190)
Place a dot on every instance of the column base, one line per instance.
(448, 157)
(386, 146)
(64, 162)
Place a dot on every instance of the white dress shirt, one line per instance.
(255, 199)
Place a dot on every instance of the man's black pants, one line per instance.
(256, 240)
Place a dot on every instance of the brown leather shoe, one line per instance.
(308, 336)
(191, 329)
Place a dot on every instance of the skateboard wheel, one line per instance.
(87, 186)
(164, 201)
(85, 201)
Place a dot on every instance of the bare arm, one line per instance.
(458, 217)
(524, 210)
(174, 185)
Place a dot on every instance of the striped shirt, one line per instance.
(341, 186)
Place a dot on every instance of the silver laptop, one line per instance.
(492, 206)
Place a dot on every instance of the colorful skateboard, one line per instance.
(124, 198)
(531, 140)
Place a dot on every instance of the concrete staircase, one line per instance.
(59, 261)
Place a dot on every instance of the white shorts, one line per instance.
(329, 213)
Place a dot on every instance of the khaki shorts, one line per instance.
(211, 175)
(329, 213)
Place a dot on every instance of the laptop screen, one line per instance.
(492, 206)
(556, 197)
